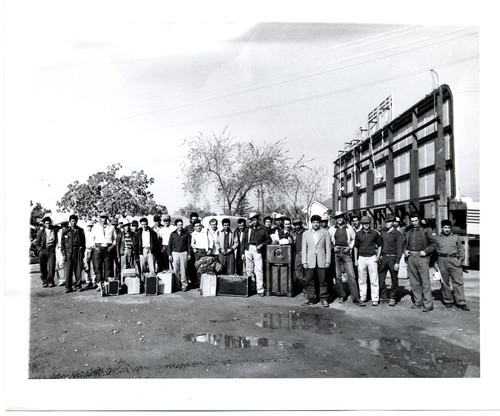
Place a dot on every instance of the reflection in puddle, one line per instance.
(297, 321)
(416, 360)
(232, 342)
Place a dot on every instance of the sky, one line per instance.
(128, 87)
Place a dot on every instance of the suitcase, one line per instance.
(113, 285)
(165, 283)
(133, 285)
(233, 285)
(208, 284)
(151, 284)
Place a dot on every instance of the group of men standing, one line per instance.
(357, 250)
(374, 253)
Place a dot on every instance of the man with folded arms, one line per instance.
(392, 251)
(450, 258)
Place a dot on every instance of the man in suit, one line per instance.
(238, 237)
(72, 249)
(316, 257)
(46, 242)
(228, 245)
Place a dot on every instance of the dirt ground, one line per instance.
(84, 335)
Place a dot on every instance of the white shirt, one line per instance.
(164, 234)
(213, 240)
(146, 239)
(200, 240)
(103, 235)
(89, 243)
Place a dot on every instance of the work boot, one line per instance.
(392, 302)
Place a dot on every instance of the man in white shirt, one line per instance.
(213, 237)
(201, 243)
(87, 260)
(103, 236)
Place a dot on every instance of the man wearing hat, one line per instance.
(316, 258)
(72, 249)
(342, 236)
(164, 237)
(367, 249)
(255, 238)
(392, 251)
(297, 234)
(240, 252)
(450, 258)
(104, 238)
(45, 243)
(325, 220)
(418, 244)
(126, 247)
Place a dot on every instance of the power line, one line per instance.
(322, 95)
(203, 101)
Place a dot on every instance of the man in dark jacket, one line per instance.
(147, 244)
(127, 249)
(240, 251)
(72, 249)
(179, 249)
(255, 239)
(297, 233)
(45, 244)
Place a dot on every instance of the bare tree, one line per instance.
(235, 167)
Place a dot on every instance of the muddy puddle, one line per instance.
(235, 342)
(292, 320)
(418, 360)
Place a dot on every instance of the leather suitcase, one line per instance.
(133, 285)
(208, 284)
(233, 285)
(165, 283)
(113, 286)
(151, 285)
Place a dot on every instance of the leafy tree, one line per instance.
(105, 191)
(234, 168)
(37, 213)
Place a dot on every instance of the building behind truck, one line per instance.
(397, 165)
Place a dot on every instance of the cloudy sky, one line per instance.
(105, 84)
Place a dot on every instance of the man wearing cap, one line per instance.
(367, 249)
(164, 237)
(316, 258)
(240, 253)
(450, 258)
(297, 234)
(127, 250)
(87, 259)
(392, 251)
(147, 244)
(418, 244)
(104, 238)
(72, 249)
(45, 243)
(342, 236)
(179, 252)
(227, 247)
(255, 239)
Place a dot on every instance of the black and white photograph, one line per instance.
(219, 208)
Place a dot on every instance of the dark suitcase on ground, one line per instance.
(113, 286)
(233, 285)
(151, 285)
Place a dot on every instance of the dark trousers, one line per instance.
(162, 259)
(311, 283)
(74, 265)
(451, 272)
(387, 263)
(418, 271)
(239, 262)
(47, 257)
(299, 276)
(197, 256)
(103, 261)
(227, 261)
(343, 261)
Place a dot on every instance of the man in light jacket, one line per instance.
(316, 258)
